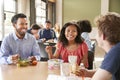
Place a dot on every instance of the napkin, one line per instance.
(58, 77)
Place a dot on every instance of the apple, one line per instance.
(34, 62)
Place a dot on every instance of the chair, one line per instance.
(0, 43)
(91, 55)
(43, 53)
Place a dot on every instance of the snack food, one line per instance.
(23, 63)
(54, 63)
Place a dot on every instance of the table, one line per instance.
(38, 72)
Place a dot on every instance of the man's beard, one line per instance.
(21, 34)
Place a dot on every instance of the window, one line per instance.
(40, 12)
(9, 11)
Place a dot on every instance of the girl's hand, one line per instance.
(48, 49)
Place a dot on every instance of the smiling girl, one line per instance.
(70, 43)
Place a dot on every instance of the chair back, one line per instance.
(0, 43)
(43, 53)
(91, 55)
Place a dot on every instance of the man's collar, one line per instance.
(16, 38)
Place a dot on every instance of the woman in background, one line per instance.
(57, 29)
(86, 28)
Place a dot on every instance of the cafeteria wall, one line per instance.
(81, 9)
(114, 6)
(85, 9)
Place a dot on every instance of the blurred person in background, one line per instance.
(34, 30)
(86, 28)
(57, 29)
(47, 33)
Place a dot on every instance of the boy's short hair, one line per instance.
(35, 26)
(109, 25)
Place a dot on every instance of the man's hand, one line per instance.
(43, 39)
(85, 72)
(15, 58)
(81, 72)
(32, 58)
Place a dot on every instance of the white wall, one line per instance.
(104, 6)
(59, 12)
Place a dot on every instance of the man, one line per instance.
(19, 44)
(108, 39)
(47, 33)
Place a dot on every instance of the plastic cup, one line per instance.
(65, 69)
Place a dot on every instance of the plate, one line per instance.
(49, 43)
